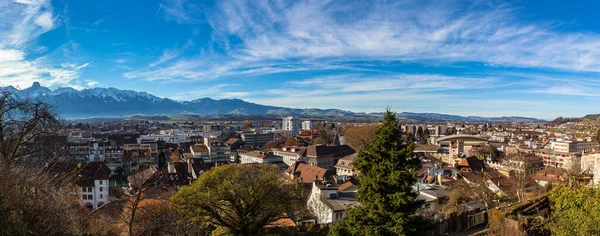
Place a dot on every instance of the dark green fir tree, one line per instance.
(387, 202)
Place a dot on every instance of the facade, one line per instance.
(93, 185)
(590, 164)
(307, 125)
(291, 125)
(165, 137)
(326, 156)
(259, 157)
(328, 204)
(79, 151)
(219, 152)
(291, 155)
(573, 146)
(96, 152)
(113, 155)
(257, 139)
(344, 166)
(566, 161)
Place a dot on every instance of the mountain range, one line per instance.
(112, 102)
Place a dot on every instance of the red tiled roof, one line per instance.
(306, 173)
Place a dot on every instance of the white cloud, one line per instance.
(21, 22)
(407, 30)
(91, 83)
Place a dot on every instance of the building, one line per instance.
(328, 204)
(344, 166)
(291, 125)
(257, 139)
(434, 198)
(96, 152)
(259, 157)
(564, 160)
(165, 137)
(590, 164)
(113, 155)
(307, 125)
(200, 151)
(573, 146)
(219, 152)
(291, 155)
(326, 156)
(459, 144)
(79, 152)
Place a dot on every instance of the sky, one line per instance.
(489, 58)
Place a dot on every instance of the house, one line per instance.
(345, 166)
(325, 156)
(91, 180)
(305, 173)
(259, 157)
(550, 175)
(434, 197)
(328, 203)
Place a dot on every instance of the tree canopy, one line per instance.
(387, 201)
(575, 211)
(241, 198)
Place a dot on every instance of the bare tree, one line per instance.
(23, 121)
(35, 201)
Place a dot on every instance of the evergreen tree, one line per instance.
(387, 202)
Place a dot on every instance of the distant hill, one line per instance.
(587, 118)
(112, 102)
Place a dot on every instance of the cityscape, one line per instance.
(181, 117)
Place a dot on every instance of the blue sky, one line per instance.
(491, 58)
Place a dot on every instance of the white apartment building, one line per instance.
(307, 125)
(291, 124)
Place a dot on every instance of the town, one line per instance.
(466, 171)
(299, 117)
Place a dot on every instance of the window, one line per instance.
(338, 215)
(100, 195)
(100, 189)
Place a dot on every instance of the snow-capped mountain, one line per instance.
(94, 102)
(105, 102)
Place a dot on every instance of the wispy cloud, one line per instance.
(21, 22)
(166, 56)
